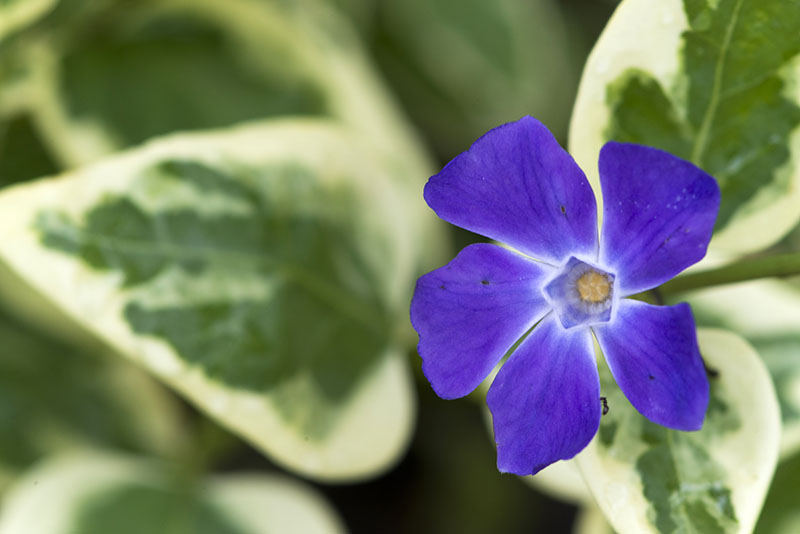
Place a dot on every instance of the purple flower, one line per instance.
(518, 186)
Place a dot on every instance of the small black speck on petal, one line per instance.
(485, 282)
(651, 377)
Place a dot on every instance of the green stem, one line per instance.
(746, 269)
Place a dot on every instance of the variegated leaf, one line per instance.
(647, 478)
(263, 272)
(92, 491)
(116, 74)
(713, 82)
(767, 314)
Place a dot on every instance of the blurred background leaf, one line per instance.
(22, 154)
(102, 76)
(263, 272)
(16, 14)
(93, 492)
(781, 514)
(55, 397)
(463, 68)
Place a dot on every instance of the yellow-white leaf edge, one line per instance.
(590, 520)
(646, 35)
(375, 426)
(310, 39)
(47, 498)
(758, 309)
(18, 13)
(748, 459)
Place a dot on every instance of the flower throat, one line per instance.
(594, 286)
(581, 294)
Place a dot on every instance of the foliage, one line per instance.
(212, 214)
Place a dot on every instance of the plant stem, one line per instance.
(746, 269)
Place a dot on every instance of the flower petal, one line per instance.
(652, 353)
(658, 214)
(518, 186)
(545, 401)
(471, 311)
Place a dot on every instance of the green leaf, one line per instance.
(781, 514)
(263, 272)
(647, 478)
(53, 397)
(98, 492)
(22, 154)
(767, 314)
(147, 73)
(122, 73)
(713, 82)
(463, 68)
(113, 74)
(16, 14)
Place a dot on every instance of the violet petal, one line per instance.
(518, 186)
(653, 354)
(545, 401)
(471, 311)
(658, 214)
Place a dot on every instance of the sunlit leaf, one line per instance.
(713, 82)
(647, 478)
(94, 492)
(262, 272)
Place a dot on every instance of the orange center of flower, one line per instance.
(594, 287)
